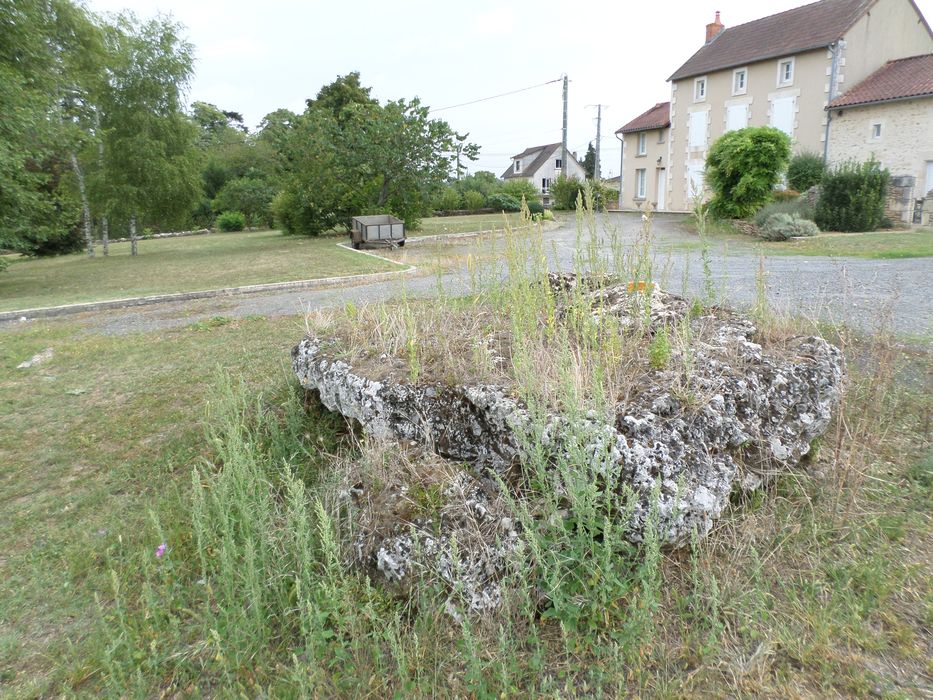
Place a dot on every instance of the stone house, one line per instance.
(541, 165)
(783, 71)
(889, 115)
(645, 148)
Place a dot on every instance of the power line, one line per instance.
(494, 97)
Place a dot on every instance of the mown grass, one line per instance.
(466, 224)
(878, 245)
(197, 438)
(179, 265)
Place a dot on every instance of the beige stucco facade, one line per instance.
(653, 162)
(904, 145)
(890, 29)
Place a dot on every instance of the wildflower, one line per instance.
(160, 550)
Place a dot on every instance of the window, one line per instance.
(740, 81)
(558, 164)
(642, 143)
(876, 131)
(783, 114)
(786, 72)
(695, 184)
(697, 135)
(518, 166)
(660, 135)
(736, 117)
(545, 184)
(699, 89)
(641, 183)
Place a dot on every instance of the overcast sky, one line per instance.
(255, 57)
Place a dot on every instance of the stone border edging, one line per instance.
(66, 309)
(128, 302)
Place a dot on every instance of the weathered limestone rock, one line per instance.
(683, 444)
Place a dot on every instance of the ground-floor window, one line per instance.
(641, 183)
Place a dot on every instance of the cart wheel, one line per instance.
(401, 244)
(356, 245)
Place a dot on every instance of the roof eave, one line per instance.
(888, 100)
(766, 57)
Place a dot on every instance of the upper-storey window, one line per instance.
(699, 89)
(740, 81)
(642, 143)
(558, 163)
(786, 72)
(518, 166)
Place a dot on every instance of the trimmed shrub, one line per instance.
(780, 227)
(797, 207)
(784, 195)
(566, 190)
(503, 202)
(447, 200)
(474, 200)
(535, 207)
(742, 169)
(519, 187)
(231, 221)
(852, 197)
(805, 170)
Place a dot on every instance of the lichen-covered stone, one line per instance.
(683, 444)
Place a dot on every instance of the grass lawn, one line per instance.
(179, 265)
(820, 586)
(879, 245)
(466, 224)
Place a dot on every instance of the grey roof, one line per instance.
(544, 152)
(804, 28)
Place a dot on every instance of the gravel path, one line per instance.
(862, 293)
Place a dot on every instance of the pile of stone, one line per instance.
(753, 414)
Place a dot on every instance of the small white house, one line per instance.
(541, 165)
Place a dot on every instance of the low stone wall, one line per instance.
(170, 234)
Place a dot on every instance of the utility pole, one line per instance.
(597, 173)
(563, 151)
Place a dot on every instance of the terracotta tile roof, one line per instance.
(895, 80)
(658, 117)
(801, 29)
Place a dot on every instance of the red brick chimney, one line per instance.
(714, 28)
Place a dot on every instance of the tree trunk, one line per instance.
(85, 207)
(105, 235)
(132, 235)
(104, 224)
(384, 191)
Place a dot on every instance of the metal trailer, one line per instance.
(381, 228)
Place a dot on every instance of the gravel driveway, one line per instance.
(862, 293)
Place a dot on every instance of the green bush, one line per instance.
(797, 207)
(474, 200)
(805, 170)
(535, 207)
(780, 227)
(784, 195)
(565, 191)
(250, 195)
(852, 197)
(503, 202)
(231, 221)
(447, 200)
(742, 169)
(519, 187)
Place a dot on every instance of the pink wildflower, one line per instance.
(160, 550)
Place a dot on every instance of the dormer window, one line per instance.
(518, 166)
(786, 72)
(699, 90)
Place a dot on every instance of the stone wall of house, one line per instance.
(904, 147)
